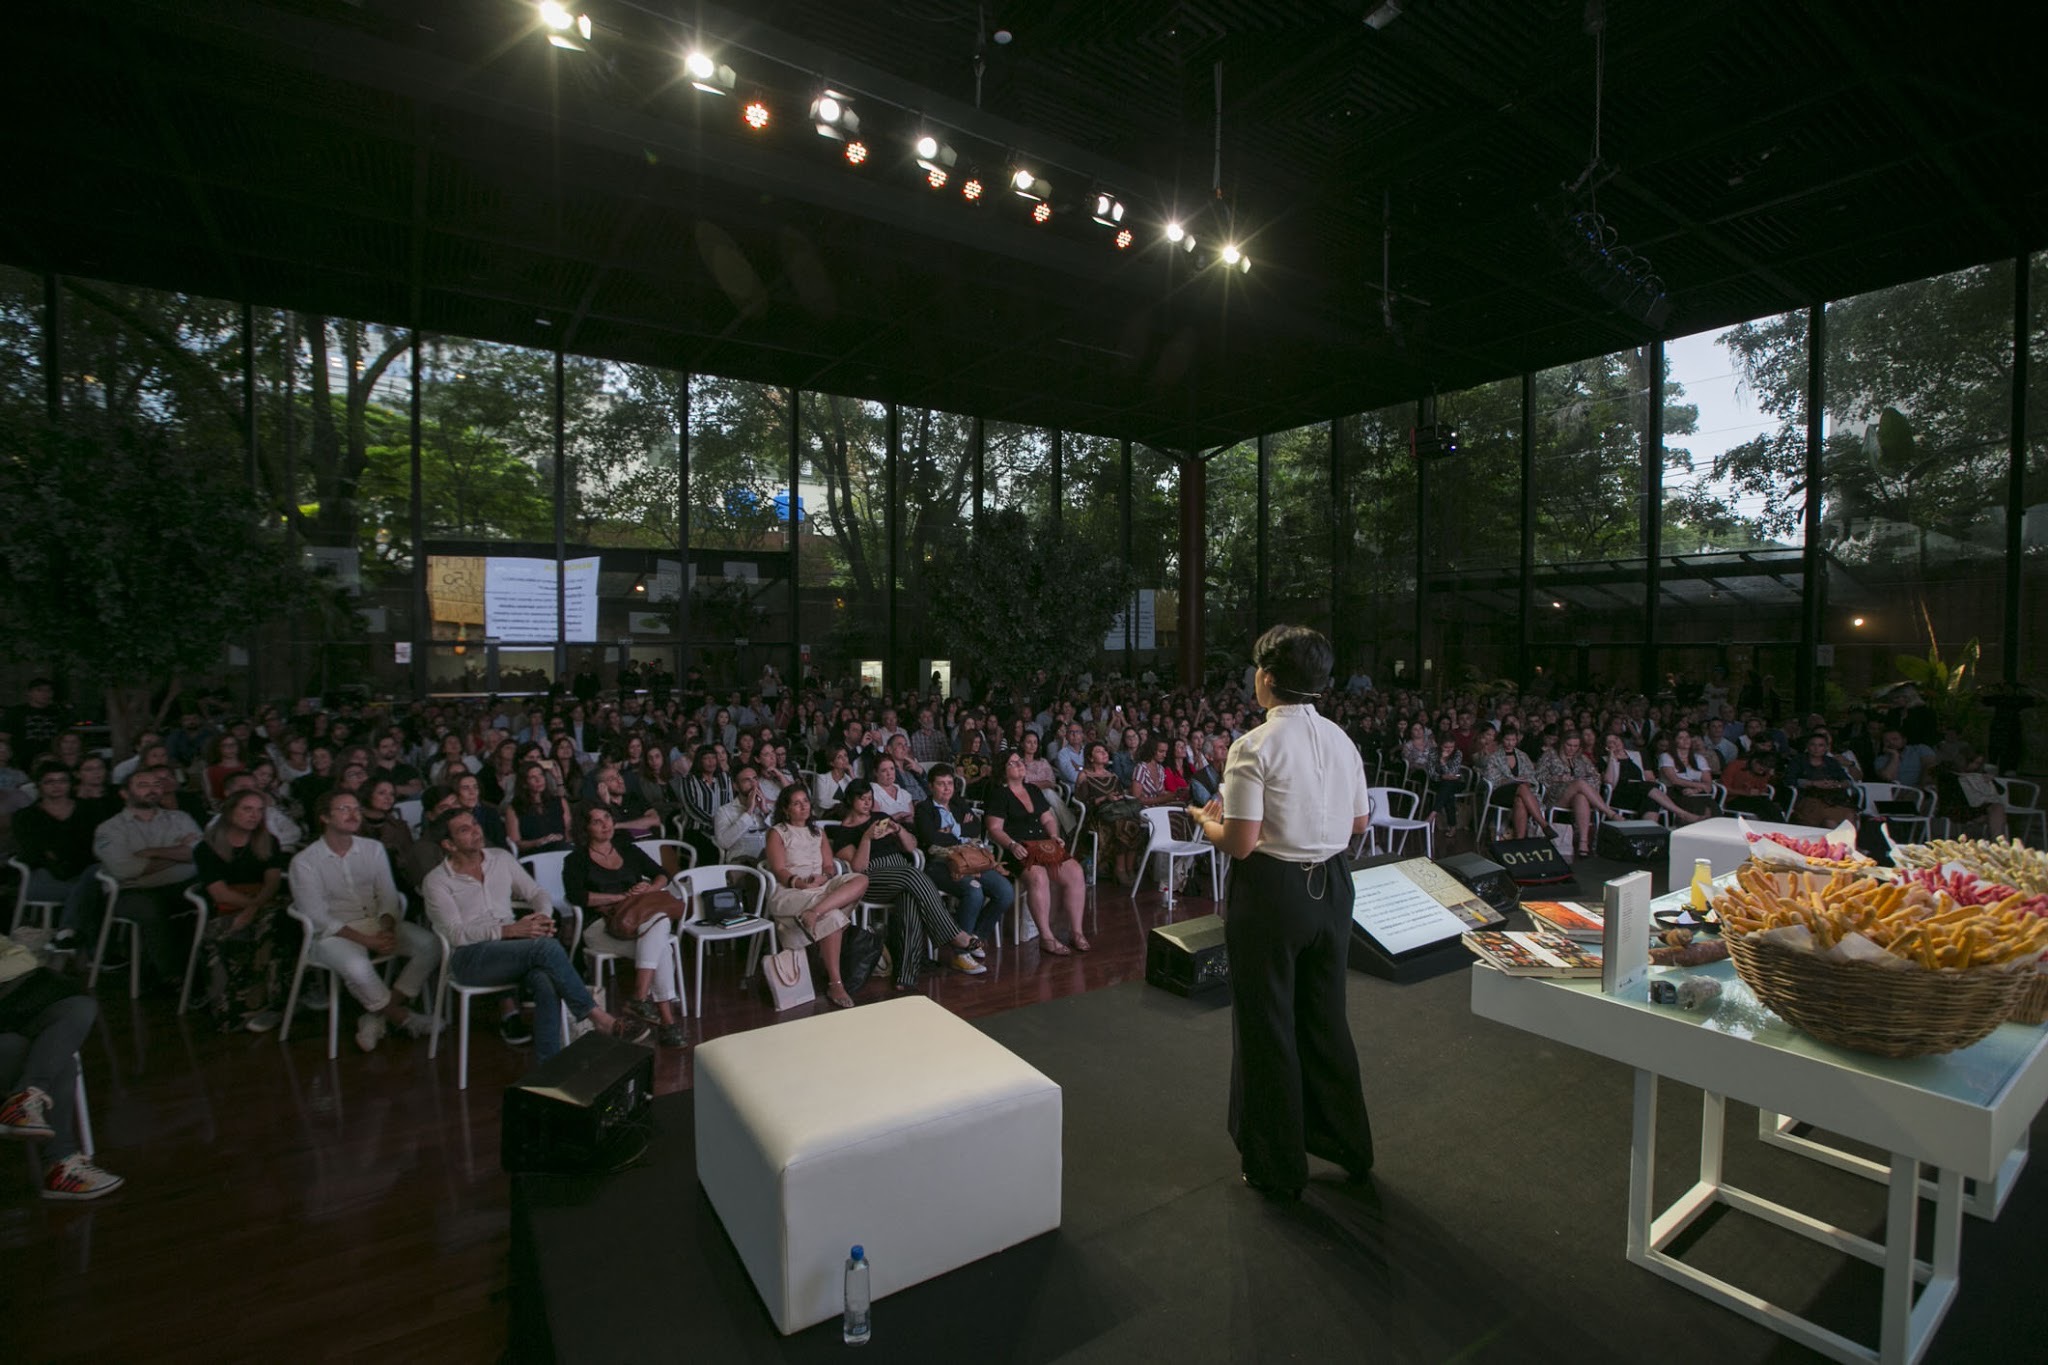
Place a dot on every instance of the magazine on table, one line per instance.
(1580, 922)
(1540, 954)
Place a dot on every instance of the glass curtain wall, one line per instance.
(935, 489)
(334, 457)
(1732, 576)
(1230, 532)
(1472, 553)
(622, 445)
(1298, 527)
(843, 555)
(1375, 578)
(1092, 483)
(1587, 624)
(1016, 467)
(21, 344)
(2024, 712)
(739, 462)
(1919, 407)
(487, 461)
(1155, 557)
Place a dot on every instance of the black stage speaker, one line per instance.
(585, 1109)
(1532, 862)
(1487, 880)
(1188, 958)
(1634, 841)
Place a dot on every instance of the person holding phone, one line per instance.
(1294, 797)
(881, 848)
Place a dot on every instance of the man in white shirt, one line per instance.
(741, 825)
(344, 888)
(1072, 755)
(149, 851)
(469, 900)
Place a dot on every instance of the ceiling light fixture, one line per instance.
(935, 178)
(971, 189)
(1027, 184)
(1180, 236)
(833, 115)
(706, 74)
(756, 114)
(1233, 256)
(566, 29)
(1123, 239)
(934, 155)
(1041, 212)
(1109, 210)
(856, 152)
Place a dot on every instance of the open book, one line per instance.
(1520, 954)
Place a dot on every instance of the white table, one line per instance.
(1965, 1114)
(1719, 840)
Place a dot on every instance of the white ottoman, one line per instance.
(894, 1125)
(1720, 842)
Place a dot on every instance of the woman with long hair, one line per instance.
(605, 875)
(808, 902)
(648, 779)
(500, 776)
(1568, 779)
(828, 788)
(568, 768)
(879, 845)
(240, 869)
(223, 756)
(1019, 813)
(383, 823)
(1121, 829)
(537, 819)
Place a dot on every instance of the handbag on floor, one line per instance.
(788, 976)
(859, 950)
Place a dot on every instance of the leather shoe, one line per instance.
(1279, 1194)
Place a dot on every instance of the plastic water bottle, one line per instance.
(855, 1326)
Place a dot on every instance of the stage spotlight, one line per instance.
(1041, 212)
(1123, 239)
(712, 77)
(833, 115)
(1027, 184)
(756, 114)
(1180, 237)
(1109, 210)
(566, 30)
(970, 189)
(935, 178)
(856, 152)
(934, 155)
(1235, 258)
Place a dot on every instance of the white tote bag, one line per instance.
(789, 979)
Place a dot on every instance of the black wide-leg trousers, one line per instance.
(1294, 1086)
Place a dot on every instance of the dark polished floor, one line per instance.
(279, 1204)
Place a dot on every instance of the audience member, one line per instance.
(148, 850)
(44, 1021)
(344, 888)
(1823, 785)
(809, 903)
(985, 897)
(614, 878)
(608, 790)
(741, 825)
(537, 817)
(880, 847)
(1019, 814)
(54, 839)
(240, 868)
(469, 901)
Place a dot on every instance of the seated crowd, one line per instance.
(388, 840)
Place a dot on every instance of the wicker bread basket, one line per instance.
(1883, 1010)
(2032, 1005)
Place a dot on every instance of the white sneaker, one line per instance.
(75, 1177)
(314, 1000)
(579, 1027)
(420, 1024)
(27, 1115)
(964, 962)
(262, 1021)
(369, 1031)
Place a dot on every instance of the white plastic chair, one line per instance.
(82, 1114)
(1923, 802)
(446, 980)
(198, 900)
(108, 919)
(2020, 812)
(546, 868)
(335, 988)
(1161, 841)
(1383, 818)
(48, 909)
(702, 879)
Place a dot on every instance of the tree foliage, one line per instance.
(1017, 597)
(133, 556)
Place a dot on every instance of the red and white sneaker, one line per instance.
(75, 1177)
(26, 1114)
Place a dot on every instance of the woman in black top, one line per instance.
(880, 848)
(944, 822)
(240, 869)
(537, 819)
(89, 788)
(1018, 811)
(602, 874)
(54, 837)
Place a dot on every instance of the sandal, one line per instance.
(1054, 946)
(836, 994)
(1083, 944)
